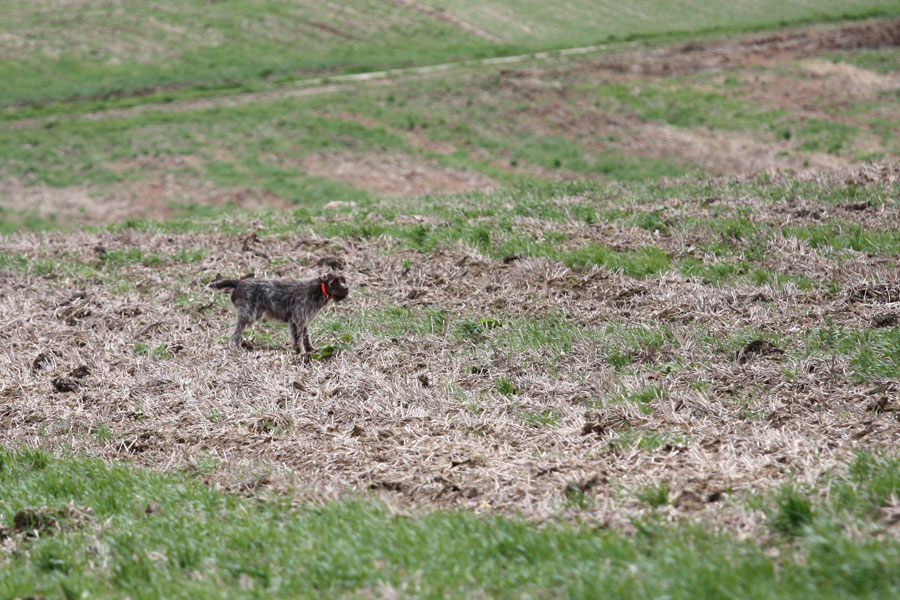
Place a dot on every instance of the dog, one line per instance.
(295, 302)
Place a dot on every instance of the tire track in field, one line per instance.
(765, 47)
(301, 88)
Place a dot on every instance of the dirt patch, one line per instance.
(393, 175)
(850, 78)
(750, 50)
(158, 197)
(758, 348)
(820, 89)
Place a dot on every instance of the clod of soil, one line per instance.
(584, 485)
(41, 360)
(65, 384)
(758, 347)
(886, 320)
(80, 372)
(689, 500)
(856, 205)
(715, 496)
(612, 419)
(390, 486)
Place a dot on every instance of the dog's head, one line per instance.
(335, 285)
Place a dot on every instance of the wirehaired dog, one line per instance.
(294, 301)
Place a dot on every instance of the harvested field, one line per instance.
(457, 379)
(624, 320)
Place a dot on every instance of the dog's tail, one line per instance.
(224, 283)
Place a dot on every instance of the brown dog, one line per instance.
(294, 301)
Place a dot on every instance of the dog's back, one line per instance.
(293, 301)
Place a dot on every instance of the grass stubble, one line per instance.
(457, 378)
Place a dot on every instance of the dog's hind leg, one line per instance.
(306, 343)
(246, 316)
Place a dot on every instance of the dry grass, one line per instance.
(397, 175)
(443, 418)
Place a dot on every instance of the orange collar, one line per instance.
(324, 293)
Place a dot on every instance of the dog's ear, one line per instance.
(324, 277)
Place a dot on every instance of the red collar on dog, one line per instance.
(324, 293)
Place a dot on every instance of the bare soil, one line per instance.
(158, 197)
(393, 175)
(750, 50)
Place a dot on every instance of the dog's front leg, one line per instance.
(296, 334)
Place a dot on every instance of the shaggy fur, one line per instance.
(294, 301)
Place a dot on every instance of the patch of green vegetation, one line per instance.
(12, 221)
(505, 386)
(725, 272)
(181, 45)
(873, 353)
(48, 267)
(873, 479)
(130, 256)
(646, 440)
(153, 530)
(626, 344)
(654, 495)
(160, 351)
(880, 60)
(838, 236)
(639, 263)
(685, 106)
(544, 418)
(587, 21)
(820, 135)
(641, 398)
(792, 512)
(101, 433)
(329, 349)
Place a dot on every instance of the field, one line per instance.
(109, 49)
(623, 320)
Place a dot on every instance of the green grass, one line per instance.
(181, 49)
(678, 103)
(146, 535)
(12, 221)
(183, 44)
(731, 247)
(584, 21)
(654, 495)
(873, 353)
(880, 60)
(640, 398)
